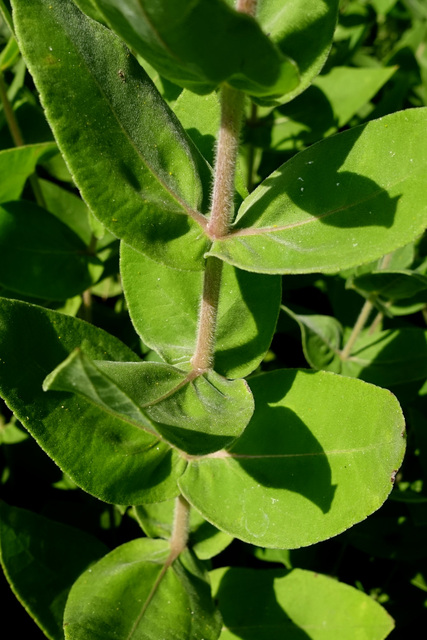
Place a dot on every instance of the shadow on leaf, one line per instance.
(248, 603)
(278, 450)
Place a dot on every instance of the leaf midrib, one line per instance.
(255, 231)
(226, 455)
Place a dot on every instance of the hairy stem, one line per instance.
(232, 103)
(246, 6)
(179, 538)
(17, 138)
(11, 120)
(205, 341)
(376, 321)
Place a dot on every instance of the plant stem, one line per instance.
(376, 321)
(246, 6)
(232, 103)
(360, 323)
(11, 120)
(17, 138)
(364, 315)
(179, 538)
(205, 342)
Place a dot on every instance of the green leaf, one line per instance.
(198, 413)
(274, 604)
(68, 208)
(206, 541)
(135, 591)
(78, 374)
(201, 118)
(301, 29)
(11, 434)
(41, 559)
(41, 257)
(128, 154)
(389, 357)
(108, 458)
(163, 305)
(282, 556)
(9, 54)
(88, 7)
(383, 6)
(317, 457)
(16, 166)
(346, 200)
(321, 339)
(6, 15)
(393, 285)
(201, 45)
(332, 100)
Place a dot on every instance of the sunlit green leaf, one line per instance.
(198, 413)
(135, 592)
(104, 455)
(128, 154)
(296, 605)
(327, 105)
(346, 200)
(318, 456)
(201, 45)
(200, 116)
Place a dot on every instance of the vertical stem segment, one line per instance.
(246, 6)
(360, 323)
(12, 122)
(205, 343)
(179, 538)
(364, 315)
(232, 103)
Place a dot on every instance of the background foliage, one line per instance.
(376, 67)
